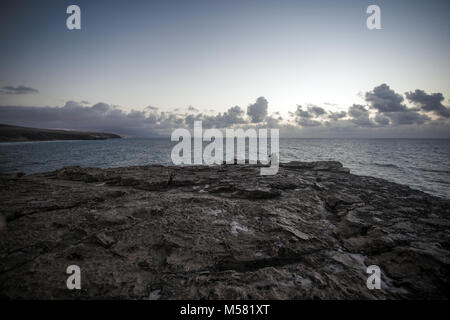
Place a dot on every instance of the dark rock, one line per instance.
(258, 193)
(104, 240)
(224, 232)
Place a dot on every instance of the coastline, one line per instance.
(9, 133)
(419, 164)
(221, 232)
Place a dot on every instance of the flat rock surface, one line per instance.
(223, 232)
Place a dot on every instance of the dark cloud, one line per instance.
(360, 116)
(99, 117)
(108, 118)
(305, 118)
(392, 110)
(314, 121)
(273, 122)
(408, 117)
(234, 115)
(191, 108)
(429, 102)
(384, 99)
(18, 90)
(231, 117)
(258, 110)
(304, 122)
(312, 111)
(300, 113)
(316, 111)
(381, 120)
(358, 111)
(337, 115)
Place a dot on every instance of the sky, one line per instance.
(162, 64)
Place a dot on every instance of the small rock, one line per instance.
(104, 240)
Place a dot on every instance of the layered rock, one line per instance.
(223, 232)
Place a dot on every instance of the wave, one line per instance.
(440, 181)
(386, 165)
(434, 170)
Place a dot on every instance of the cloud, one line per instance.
(304, 122)
(17, 90)
(408, 117)
(258, 110)
(305, 118)
(391, 109)
(302, 114)
(273, 122)
(99, 117)
(316, 111)
(381, 120)
(384, 99)
(358, 111)
(337, 115)
(312, 111)
(313, 121)
(231, 117)
(191, 108)
(360, 115)
(429, 102)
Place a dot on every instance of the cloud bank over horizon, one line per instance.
(385, 114)
(17, 90)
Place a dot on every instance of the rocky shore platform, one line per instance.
(222, 232)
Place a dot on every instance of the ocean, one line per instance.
(423, 164)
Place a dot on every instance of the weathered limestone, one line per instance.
(223, 232)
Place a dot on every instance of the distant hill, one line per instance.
(14, 134)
